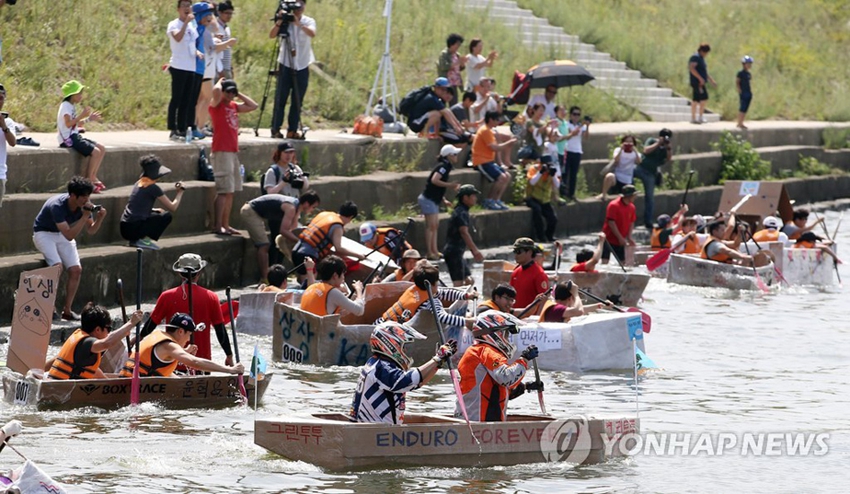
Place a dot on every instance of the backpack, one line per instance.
(277, 173)
(205, 170)
(411, 99)
(370, 126)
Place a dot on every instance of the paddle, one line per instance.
(558, 260)
(658, 259)
(400, 237)
(759, 282)
(452, 373)
(687, 187)
(837, 225)
(826, 232)
(399, 243)
(123, 309)
(135, 383)
(611, 249)
(645, 319)
(352, 292)
(539, 386)
(533, 304)
(236, 347)
(775, 269)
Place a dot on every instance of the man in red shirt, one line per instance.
(587, 259)
(205, 307)
(528, 278)
(619, 220)
(224, 112)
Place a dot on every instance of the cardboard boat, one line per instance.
(596, 342)
(332, 442)
(694, 271)
(343, 339)
(365, 266)
(802, 266)
(617, 286)
(205, 391)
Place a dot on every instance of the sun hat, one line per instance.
(411, 254)
(154, 169)
(71, 88)
(189, 262)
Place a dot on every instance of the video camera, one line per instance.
(294, 177)
(94, 208)
(666, 134)
(285, 14)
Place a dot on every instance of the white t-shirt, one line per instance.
(3, 167)
(550, 105)
(182, 52)
(64, 132)
(211, 57)
(625, 170)
(288, 189)
(490, 105)
(302, 44)
(474, 75)
(574, 142)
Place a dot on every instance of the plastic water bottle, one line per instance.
(242, 171)
(189, 135)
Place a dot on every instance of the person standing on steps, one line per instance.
(572, 135)
(698, 72)
(657, 152)
(224, 112)
(435, 194)
(293, 74)
(8, 138)
(450, 65)
(56, 227)
(745, 92)
(141, 223)
(182, 35)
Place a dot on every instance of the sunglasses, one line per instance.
(520, 251)
(575, 114)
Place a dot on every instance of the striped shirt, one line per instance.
(446, 319)
(380, 393)
(226, 55)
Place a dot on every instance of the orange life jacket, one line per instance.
(487, 305)
(766, 235)
(719, 257)
(69, 364)
(315, 298)
(805, 244)
(149, 364)
(655, 240)
(547, 305)
(399, 275)
(407, 305)
(691, 246)
(381, 238)
(318, 232)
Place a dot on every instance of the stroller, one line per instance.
(520, 92)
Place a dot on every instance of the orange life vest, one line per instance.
(691, 246)
(547, 305)
(719, 257)
(766, 235)
(69, 364)
(149, 364)
(381, 238)
(805, 244)
(407, 305)
(655, 240)
(487, 305)
(399, 275)
(315, 298)
(318, 232)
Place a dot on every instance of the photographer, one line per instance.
(142, 223)
(657, 152)
(284, 176)
(542, 180)
(296, 32)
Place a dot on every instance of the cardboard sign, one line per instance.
(32, 318)
(768, 199)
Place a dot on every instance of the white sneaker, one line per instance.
(702, 119)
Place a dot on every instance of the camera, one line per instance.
(94, 208)
(295, 178)
(588, 119)
(666, 134)
(285, 14)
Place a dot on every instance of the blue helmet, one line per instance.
(747, 59)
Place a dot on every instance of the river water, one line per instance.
(732, 364)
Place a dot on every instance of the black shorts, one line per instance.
(81, 145)
(619, 251)
(700, 93)
(458, 267)
(617, 188)
(298, 259)
(744, 104)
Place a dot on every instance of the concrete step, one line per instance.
(617, 73)
(631, 93)
(593, 64)
(679, 116)
(631, 82)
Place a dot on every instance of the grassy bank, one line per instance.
(799, 46)
(119, 47)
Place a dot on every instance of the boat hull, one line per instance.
(694, 271)
(807, 267)
(425, 440)
(208, 391)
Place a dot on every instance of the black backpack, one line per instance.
(277, 173)
(411, 99)
(205, 170)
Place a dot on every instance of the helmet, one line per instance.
(493, 325)
(388, 339)
(747, 59)
(367, 231)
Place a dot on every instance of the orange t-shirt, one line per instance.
(481, 150)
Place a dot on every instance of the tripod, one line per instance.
(273, 71)
(385, 71)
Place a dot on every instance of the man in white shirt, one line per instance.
(546, 99)
(7, 138)
(294, 59)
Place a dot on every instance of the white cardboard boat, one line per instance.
(695, 271)
(332, 442)
(802, 266)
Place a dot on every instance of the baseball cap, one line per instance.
(663, 220)
(524, 243)
(201, 10)
(411, 254)
(285, 146)
(467, 190)
(2, 89)
(629, 190)
(747, 59)
(181, 321)
(449, 150)
(441, 82)
(771, 222)
(367, 231)
(71, 88)
(229, 85)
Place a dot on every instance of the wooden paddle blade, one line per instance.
(658, 260)
(645, 319)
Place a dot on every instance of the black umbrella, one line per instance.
(560, 73)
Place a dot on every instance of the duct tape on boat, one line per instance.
(292, 354)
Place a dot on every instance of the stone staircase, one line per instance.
(627, 85)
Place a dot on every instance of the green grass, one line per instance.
(117, 48)
(799, 46)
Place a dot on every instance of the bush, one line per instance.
(519, 184)
(740, 160)
(810, 166)
(676, 177)
(836, 138)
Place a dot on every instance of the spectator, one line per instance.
(657, 152)
(293, 74)
(572, 135)
(587, 259)
(57, 226)
(181, 37)
(67, 122)
(323, 234)
(325, 297)
(477, 63)
(534, 134)
(225, 14)
(459, 237)
(141, 223)
(487, 100)
(8, 139)
(405, 269)
(281, 213)
(619, 221)
(430, 116)
(547, 99)
(434, 195)
(463, 112)
(203, 54)
(698, 71)
(542, 183)
(450, 65)
(208, 28)
(622, 167)
(225, 145)
(485, 147)
(745, 92)
(284, 176)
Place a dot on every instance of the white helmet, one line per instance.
(492, 327)
(388, 339)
